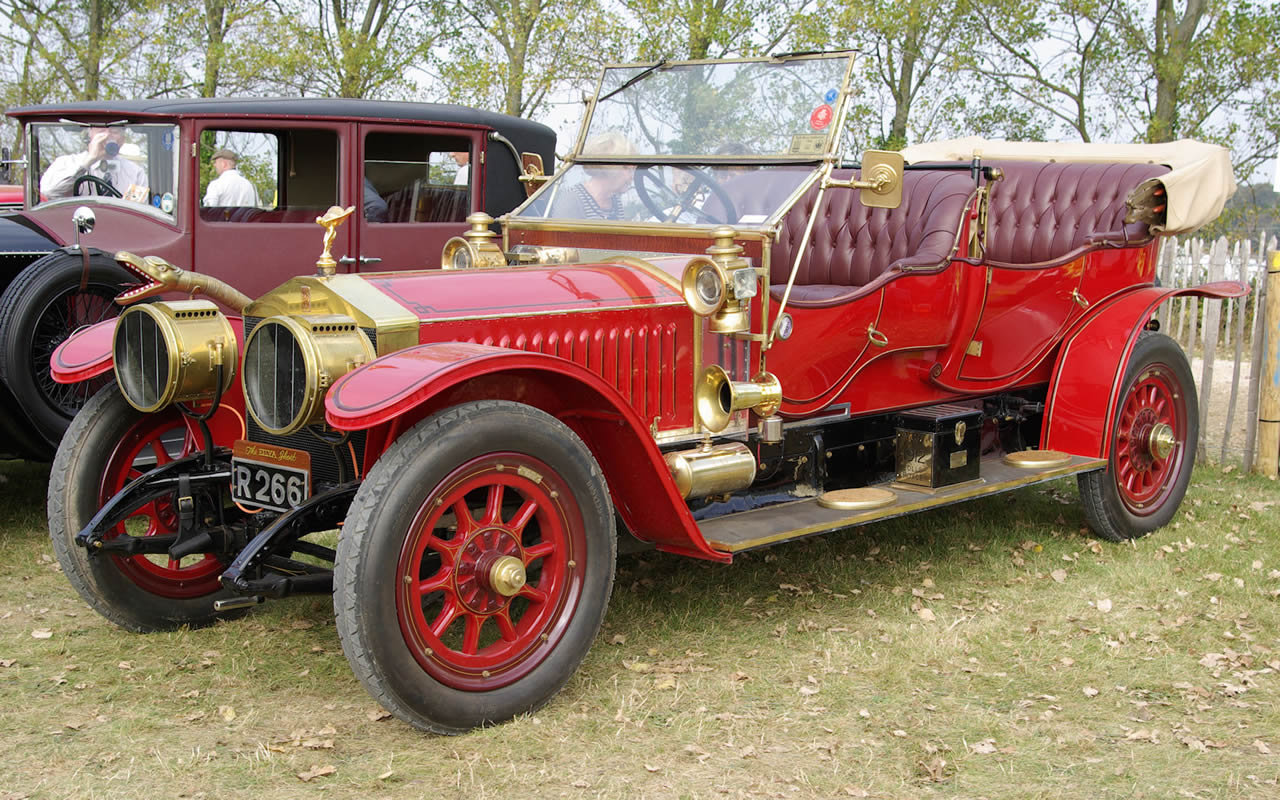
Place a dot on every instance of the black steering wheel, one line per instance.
(667, 204)
(102, 187)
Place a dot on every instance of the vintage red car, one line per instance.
(395, 162)
(703, 335)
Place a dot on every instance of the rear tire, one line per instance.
(38, 311)
(1144, 483)
(106, 446)
(431, 626)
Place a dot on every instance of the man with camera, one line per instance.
(106, 173)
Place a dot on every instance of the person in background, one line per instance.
(230, 188)
(100, 159)
(600, 195)
(463, 159)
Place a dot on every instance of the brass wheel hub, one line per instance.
(506, 575)
(1161, 441)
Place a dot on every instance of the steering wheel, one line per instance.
(667, 204)
(102, 187)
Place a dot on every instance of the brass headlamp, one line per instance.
(170, 351)
(290, 362)
(475, 248)
(716, 285)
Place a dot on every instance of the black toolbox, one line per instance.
(938, 446)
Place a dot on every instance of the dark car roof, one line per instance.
(284, 107)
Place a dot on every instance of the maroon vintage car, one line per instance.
(704, 335)
(146, 170)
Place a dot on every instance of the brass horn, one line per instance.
(716, 397)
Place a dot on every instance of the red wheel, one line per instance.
(154, 441)
(109, 444)
(475, 566)
(485, 571)
(1153, 445)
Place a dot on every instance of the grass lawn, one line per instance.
(988, 650)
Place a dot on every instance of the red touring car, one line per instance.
(705, 334)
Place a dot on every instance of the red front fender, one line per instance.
(85, 354)
(398, 389)
(1091, 365)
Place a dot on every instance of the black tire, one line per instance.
(388, 558)
(38, 311)
(107, 444)
(1141, 488)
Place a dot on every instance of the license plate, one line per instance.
(266, 476)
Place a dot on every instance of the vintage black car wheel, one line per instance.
(109, 444)
(1153, 445)
(43, 306)
(475, 566)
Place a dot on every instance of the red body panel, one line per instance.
(446, 373)
(1091, 366)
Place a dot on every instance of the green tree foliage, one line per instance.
(713, 28)
(512, 55)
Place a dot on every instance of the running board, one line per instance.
(734, 533)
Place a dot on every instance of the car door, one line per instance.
(298, 170)
(418, 185)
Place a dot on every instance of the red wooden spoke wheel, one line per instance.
(1149, 429)
(108, 444)
(489, 571)
(1153, 444)
(475, 566)
(154, 441)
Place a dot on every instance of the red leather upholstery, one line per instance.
(1048, 212)
(853, 244)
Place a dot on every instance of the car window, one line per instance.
(122, 162)
(412, 177)
(267, 176)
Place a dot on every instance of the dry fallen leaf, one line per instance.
(42, 633)
(1059, 575)
(1089, 691)
(618, 638)
(925, 614)
(984, 747)
(375, 714)
(227, 712)
(317, 771)
(1104, 605)
(386, 775)
(1262, 747)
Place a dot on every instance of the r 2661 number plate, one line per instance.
(267, 476)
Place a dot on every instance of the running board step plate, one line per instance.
(734, 533)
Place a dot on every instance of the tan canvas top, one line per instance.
(1198, 184)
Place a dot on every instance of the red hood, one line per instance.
(462, 294)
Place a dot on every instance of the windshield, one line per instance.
(136, 163)
(753, 109)
(726, 143)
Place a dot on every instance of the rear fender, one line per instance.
(395, 391)
(1091, 365)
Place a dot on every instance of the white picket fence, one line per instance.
(1220, 336)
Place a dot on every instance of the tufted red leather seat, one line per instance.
(853, 244)
(1043, 213)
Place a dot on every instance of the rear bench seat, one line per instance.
(852, 244)
(1043, 214)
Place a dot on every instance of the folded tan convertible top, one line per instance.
(1198, 185)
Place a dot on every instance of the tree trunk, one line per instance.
(1173, 37)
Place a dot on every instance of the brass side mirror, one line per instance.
(881, 181)
(532, 172)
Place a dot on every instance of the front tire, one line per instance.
(475, 566)
(108, 444)
(1153, 445)
(43, 306)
